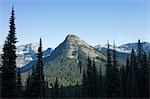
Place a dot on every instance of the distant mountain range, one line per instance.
(27, 53)
(125, 48)
(63, 61)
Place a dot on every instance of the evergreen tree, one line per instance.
(36, 81)
(100, 90)
(132, 87)
(89, 78)
(108, 75)
(124, 76)
(84, 85)
(142, 72)
(95, 80)
(8, 69)
(79, 64)
(124, 80)
(115, 76)
(145, 78)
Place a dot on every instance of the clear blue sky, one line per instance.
(95, 21)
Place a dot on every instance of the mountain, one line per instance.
(63, 61)
(27, 53)
(120, 53)
(128, 47)
(123, 50)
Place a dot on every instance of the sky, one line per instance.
(94, 21)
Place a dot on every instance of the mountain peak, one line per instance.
(75, 40)
(72, 37)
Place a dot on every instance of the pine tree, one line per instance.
(79, 64)
(145, 77)
(132, 87)
(108, 75)
(95, 80)
(124, 76)
(8, 69)
(142, 72)
(100, 90)
(36, 81)
(123, 80)
(115, 76)
(89, 78)
(84, 85)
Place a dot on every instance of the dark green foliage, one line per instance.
(79, 60)
(124, 80)
(95, 80)
(108, 75)
(143, 72)
(8, 69)
(145, 80)
(132, 87)
(115, 76)
(36, 81)
(112, 76)
(84, 85)
(100, 84)
(90, 80)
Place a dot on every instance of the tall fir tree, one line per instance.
(132, 86)
(143, 74)
(115, 76)
(145, 77)
(100, 84)
(36, 81)
(8, 69)
(108, 75)
(84, 85)
(89, 78)
(123, 80)
(124, 75)
(95, 80)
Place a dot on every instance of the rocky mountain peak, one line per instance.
(71, 46)
(28, 47)
(73, 39)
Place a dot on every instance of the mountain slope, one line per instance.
(63, 61)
